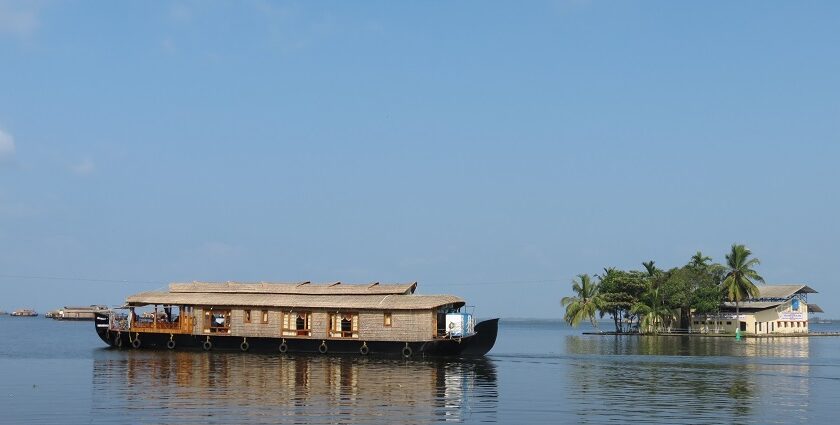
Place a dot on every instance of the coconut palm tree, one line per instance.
(651, 310)
(699, 261)
(651, 269)
(585, 304)
(738, 283)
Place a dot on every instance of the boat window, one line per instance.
(344, 325)
(297, 323)
(247, 316)
(265, 316)
(388, 319)
(217, 321)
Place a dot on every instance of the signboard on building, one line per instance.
(719, 316)
(792, 316)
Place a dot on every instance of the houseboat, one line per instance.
(363, 319)
(25, 312)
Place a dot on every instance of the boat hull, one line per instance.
(475, 345)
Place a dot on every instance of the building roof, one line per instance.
(296, 296)
(782, 291)
(299, 288)
(813, 308)
(751, 305)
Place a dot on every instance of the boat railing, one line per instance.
(448, 335)
(119, 322)
(180, 324)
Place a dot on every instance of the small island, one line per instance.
(699, 298)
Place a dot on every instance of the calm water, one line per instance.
(55, 372)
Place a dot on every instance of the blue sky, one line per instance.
(485, 149)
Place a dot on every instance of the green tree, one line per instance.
(585, 304)
(676, 288)
(650, 308)
(620, 290)
(653, 313)
(740, 275)
(650, 268)
(706, 299)
(699, 261)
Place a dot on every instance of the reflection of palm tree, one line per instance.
(585, 304)
(740, 275)
(741, 391)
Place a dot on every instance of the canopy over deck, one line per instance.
(296, 296)
(297, 288)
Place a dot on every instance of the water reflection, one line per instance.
(651, 379)
(687, 346)
(236, 388)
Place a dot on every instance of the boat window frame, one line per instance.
(264, 317)
(387, 319)
(339, 332)
(208, 324)
(288, 323)
(246, 316)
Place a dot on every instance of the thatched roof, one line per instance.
(298, 288)
(296, 296)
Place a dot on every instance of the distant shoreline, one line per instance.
(711, 335)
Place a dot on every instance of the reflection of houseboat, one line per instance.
(300, 317)
(78, 313)
(291, 388)
(24, 312)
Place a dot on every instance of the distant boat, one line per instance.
(821, 321)
(77, 313)
(24, 312)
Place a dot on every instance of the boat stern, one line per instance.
(476, 345)
(484, 339)
(102, 321)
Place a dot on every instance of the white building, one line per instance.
(778, 309)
